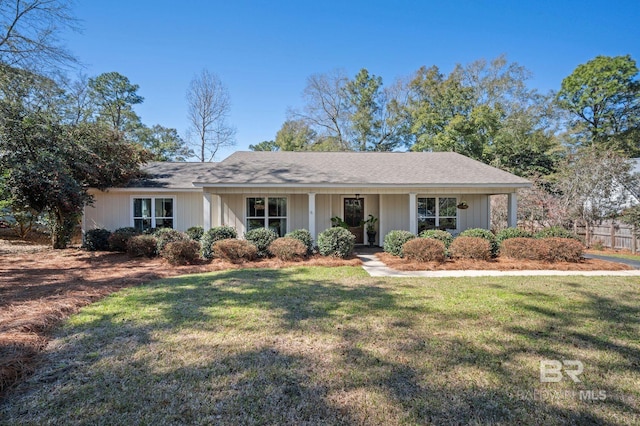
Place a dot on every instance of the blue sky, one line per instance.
(264, 50)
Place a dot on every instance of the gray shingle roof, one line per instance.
(439, 169)
(356, 168)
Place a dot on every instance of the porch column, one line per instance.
(413, 213)
(512, 210)
(206, 210)
(312, 215)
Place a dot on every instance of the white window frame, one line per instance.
(266, 212)
(153, 209)
(437, 212)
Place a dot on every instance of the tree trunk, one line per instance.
(62, 226)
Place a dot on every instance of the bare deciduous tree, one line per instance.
(209, 105)
(29, 32)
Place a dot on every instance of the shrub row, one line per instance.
(553, 249)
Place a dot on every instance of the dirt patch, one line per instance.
(40, 287)
(502, 264)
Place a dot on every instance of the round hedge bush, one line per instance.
(118, 239)
(424, 250)
(303, 236)
(142, 246)
(557, 232)
(195, 232)
(336, 242)
(394, 241)
(470, 248)
(97, 239)
(165, 236)
(217, 233)
(485, 234)
(262, 239)
(508, 233)
(183, 252)
(439, 235)
(234, 250)
(288, 248)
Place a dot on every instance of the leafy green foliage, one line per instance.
(215, 234)
(164, 144)
(604, 97)
(265, 146)
(195, 232)
(394, 241)
(303, 236)
(115, 96)
(485, 234)
(336, 242)
(295, 135)
(184, 252)
(142, 246)
(424, 250)
(119, 238)
(97, 239)
(556, 231)
(507, 233)
(631, 216)
(165, 236)
(262, 239)
(287, 249)
(439, 235)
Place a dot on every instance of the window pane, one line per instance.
(142, 224)
(254, 224)
(164, 223)
(277, 207)
(447, 207)
(448, 223)
(164, 207)
(424, 224)
(142, 207)
(279, 226)
(255, 207)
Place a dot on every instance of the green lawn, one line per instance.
(335, 346)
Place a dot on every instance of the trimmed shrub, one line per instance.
(303, 236)
(118, 240)
(471, 248)
(521, 248)
(142, 246)
(97, 239)
(195, 232)
(439, 235)
(165, 236)
(556, 231)
(487, 235)
(508, 233)
(394, 241)
(234, 250)
(181, 252)
(545, 249)
(262, 239)
(217, 233)
(563, 249)
(336, 242)
(424, 250)
(288, 248)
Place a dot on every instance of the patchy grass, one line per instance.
(332, 345)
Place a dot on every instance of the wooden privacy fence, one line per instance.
(611, 234)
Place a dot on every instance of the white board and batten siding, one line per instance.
(113, 209)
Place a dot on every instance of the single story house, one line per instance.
(285, 191)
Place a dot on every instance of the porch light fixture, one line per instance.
(357, 196)
(462, 205)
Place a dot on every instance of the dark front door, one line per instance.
(354, 216)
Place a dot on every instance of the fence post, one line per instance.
(634, 239)
(613, 235)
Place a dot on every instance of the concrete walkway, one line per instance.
(376, 268)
